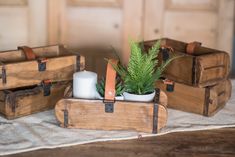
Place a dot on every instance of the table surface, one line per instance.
(209, 143)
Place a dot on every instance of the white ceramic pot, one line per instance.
(141, 98)
(116, 98)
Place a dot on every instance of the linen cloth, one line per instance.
(41, 130)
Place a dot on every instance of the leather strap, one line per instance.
(110, 81)
(191, 47)
(28, 52)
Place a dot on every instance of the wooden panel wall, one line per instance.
(207, 21)
(23, 22)
(113, 22)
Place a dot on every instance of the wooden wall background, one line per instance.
(113, 22)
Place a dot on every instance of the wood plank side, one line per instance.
(90, 114)
(26, 73)
(212, 68)
(181, 46)
(180, 69)
(2, 102)
(29, 104)
(18, 55)
(185, 98)
(219, 96)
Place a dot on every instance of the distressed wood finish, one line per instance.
(60, 66)
(29, 100)
(205, 67)
(205, 101)
(90, 114)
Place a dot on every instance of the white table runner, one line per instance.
(42, 131)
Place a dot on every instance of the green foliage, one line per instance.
(142, 71)
(100, 87)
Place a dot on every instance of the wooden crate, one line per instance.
(109, 114)
(199, 66)
(20, 102)
(94, 114)
(26, 66)
(205, 101)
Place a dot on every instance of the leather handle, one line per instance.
(28, 52)
(110, 80)
(191, 47)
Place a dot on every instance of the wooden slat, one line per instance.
(13, 2)
(18, 55)
(90, 114)
(225, 34)
(198, 5)
(95, 3)
(200, 28)
(186, 98)
(213, 67)
(29, 104)
(26, 73)
(153, 19)
(193, 99)
(219, 96)
(132, 25)
(180, 69)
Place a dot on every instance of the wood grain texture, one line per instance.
(13, 2)
(198, 5)
(207, 143)
(205, 67)
(186, 98)
(95, 3)
(90, 114)
(27, 103)
(219, 96)
(211, 68)
(197, 100)
(60, 66)
(26, 73)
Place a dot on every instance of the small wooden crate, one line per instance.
(199, 66)
(26, 66)
(20, 102)
(109, 114)
(205, 101)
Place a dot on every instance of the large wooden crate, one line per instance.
(26, 66)
(205, 101)
(94, 114)
(20, 102)
(109, 114)
(199, 66)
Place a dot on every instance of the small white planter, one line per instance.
(141, 98)
(116, 98)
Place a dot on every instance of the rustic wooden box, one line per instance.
(20, 102)
(205, 101)
(200, 66)
(26, 66)
(96, 114)
(109, 114)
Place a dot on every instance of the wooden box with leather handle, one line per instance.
(15, 103)
(204, 101)
(109, 114)
(199, 66)
(30, 66)
(34, 79)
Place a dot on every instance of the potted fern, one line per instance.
(141, 73)
(100, 87)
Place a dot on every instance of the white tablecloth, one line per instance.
(42, 131)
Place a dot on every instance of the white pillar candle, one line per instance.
(84, 85)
